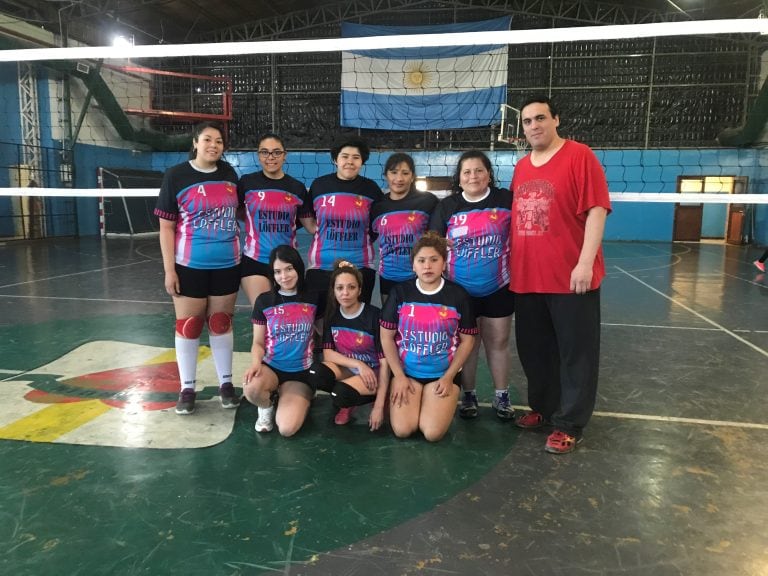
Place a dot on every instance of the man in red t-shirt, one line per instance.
(558, 215)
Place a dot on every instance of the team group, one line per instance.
(451, 275)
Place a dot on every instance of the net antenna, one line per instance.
(511, 130)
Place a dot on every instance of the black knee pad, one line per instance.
(321, 377)
(344, 396)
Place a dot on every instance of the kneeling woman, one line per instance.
(353, 369)
(427, 333)
(281, 353)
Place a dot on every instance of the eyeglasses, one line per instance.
(272, 153)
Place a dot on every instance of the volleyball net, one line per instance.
(660, 103)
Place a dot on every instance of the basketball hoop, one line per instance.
(520, 144)
(511, 130)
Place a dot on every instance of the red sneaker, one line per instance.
(759, 265)
(530, 421)
(561, 443)
(343, 416)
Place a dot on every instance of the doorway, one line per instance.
(710, 220)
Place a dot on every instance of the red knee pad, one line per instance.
(219, 323)
(190, 327)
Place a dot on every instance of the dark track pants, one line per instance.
(558, 343)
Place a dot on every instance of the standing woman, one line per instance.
(274, 202)
(341, 206)
(200, 244)
(281, 353)
(476, 220)
(353, 367)
(399, 219)
(427, 334)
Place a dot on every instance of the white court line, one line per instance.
(75, 274)
(109, 300)
(659, 326)
(81, 299)
(695, 313)
(12, 372)
(672, 419)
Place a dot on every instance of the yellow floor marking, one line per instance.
(50, 423)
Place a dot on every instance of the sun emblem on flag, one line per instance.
(419, 75)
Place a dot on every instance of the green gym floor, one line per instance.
(98, 475)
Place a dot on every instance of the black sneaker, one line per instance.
(468, 406)
(186, 403)
(228, 396)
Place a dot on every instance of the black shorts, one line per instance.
(198, 283)
(456, 380)
(319, 281)
(251, 267)
(499, 304)
(300, 376)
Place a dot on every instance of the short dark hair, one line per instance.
(290, 255)
(541, 99)
(431, 239)
(469, 154)
(271, 135)
(353, 142)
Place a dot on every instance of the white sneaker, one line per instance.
(266, 420)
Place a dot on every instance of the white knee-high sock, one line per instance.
(221, 348)
(186, 359)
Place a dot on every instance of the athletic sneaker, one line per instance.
(228, 396)
(561, 443)
(468, 407)
(503, 408)
(344, 415)
(530, 421)
(266, 420)
(186, 403)
(759, 265)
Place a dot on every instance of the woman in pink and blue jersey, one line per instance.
(398, 220)
(353, 369)
(200, 244)
(274, 203)
(281, 351)
(427, 334)
(341, 205)
(476, 220)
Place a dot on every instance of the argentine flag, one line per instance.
(423, 88)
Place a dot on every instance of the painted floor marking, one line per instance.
(695, 313)
(54, 421)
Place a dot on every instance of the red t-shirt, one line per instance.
(549, 212)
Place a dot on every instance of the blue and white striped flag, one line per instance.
(423, 88)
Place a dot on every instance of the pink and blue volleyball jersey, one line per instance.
(356, 337)
(272, 208)
(479, 235)
(398, 224)
(289, 322)
(342, 210)
(427, 326)
(204, 206)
